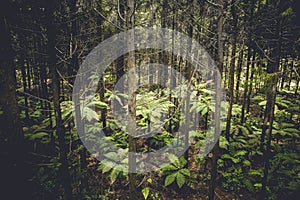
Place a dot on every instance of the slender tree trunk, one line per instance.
(171, 78)
(238, 75)
(72, 70)
(189, 78)
(272, 69)
(246, 86)
(283, 74)
(297, 87)
(225, 66)
(291, 75)
(120, 67)
(244, 107)
(83, 187)
(253, 61)
(131, 104)
(51, 33)
(120, 60)
(215, 150)
(43, 77)
(152, 52)
(13, 170)
(231, 72)
(73, 67)
(23, 70)
(163, 55)
(258, 74)
(267, 152)
(102, 99)
(39, 74)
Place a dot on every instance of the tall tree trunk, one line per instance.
(172, 79)
(131, 128)
(297, 87)
(253, 61)
(120, 64)
(238, 75)
(163, 56)
(215, 150)
(272, 69)
(28, 74)
(120, 60)
(189, 78)
(284, 66)
(250, 46)
(23, 70)
(73, 67)
(291, 70)
(225, 66)
(13, 171)
(51, 34)
(72, 70)
(231, 72)
(43, 77)
(119, 67)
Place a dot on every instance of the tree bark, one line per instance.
(250, 46)
(231, 71)
(189, 78)
(272, 70)
(13, 170)
(238, 75)
(215, 150)
(253, 61)
(51, 34)
(131, 128)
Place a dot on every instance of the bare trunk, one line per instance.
(245, 100)
(13, 170)
(253, 61)
(215, 150)
(131, 128)
(231, 72)
(238, 75)
(272, 69)
(51, 33)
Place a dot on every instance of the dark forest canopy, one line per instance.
(46, 121)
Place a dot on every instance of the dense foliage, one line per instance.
(256, 48)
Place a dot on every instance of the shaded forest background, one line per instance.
(256, 47)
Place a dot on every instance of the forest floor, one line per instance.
(119, 189)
